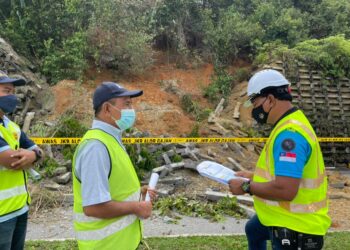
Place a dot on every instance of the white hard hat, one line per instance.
(264, 79)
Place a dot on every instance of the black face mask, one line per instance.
(259, 114)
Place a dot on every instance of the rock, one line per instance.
(52, 186)
(59, 171)
(216, 196)
(206, 157)
(49, 124)
(245, 199)
(63, 179)
(165, 190)
(68, 199)
(212, 118)
(173, 166)
(236, 165)
(250, 147)
(172, 180)
(339, 185)
(166, 158)
(68, 164)
(190, 165)
(211, 153)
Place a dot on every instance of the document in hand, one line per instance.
(216, 172)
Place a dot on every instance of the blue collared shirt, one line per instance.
(92, 166)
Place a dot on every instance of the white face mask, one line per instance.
(127, 118)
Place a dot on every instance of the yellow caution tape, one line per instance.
(154, 140)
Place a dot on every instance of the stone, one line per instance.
(189, 164)
(216, 196)
(339, 185)
(236, 165)
(166, 158)
(250, 147)
(245, 199)
(63, 179)
(52, 186)
(211, 153)
(172, 180)
(206, 157)
(165, 190)
(59, 171)
(173, 166)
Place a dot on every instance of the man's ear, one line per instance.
(105, 108)
(272, 99)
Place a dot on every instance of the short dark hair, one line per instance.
(282, 93)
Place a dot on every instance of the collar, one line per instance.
(115, 132)
(288, 112)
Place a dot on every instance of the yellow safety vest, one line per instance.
(308, 211)
(123, 232)
(14, 194)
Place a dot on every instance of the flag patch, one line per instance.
(288, 156)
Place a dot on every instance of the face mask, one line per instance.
(259, 114)
(8, 103)
(127, 119)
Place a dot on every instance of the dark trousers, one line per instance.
(13, 233)
(258, 235)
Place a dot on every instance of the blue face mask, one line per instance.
(8, 103)
(127, 119)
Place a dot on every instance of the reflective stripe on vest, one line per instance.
(106, 231)
(11, 192)
(296, 208)
(81, 217)
(304, 183)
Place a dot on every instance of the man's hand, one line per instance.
(245, 174)
(152, 193)
(235, 186)
(144, 209)
(25, 159)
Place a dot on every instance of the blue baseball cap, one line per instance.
(15, 81)
(109, 90)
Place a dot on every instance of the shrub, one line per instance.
(66, 62)
(118, 37)
(193, 108)
(220, 86)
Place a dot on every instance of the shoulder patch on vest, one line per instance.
(288, 144)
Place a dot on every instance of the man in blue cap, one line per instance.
(108, 200)
(17, 153)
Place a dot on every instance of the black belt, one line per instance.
(290, 239)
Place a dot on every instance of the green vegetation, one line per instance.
(192, 107)
(142, 160)
(196, 208)
(333, 241)
(63, 36)
(330, 55)
(220, 87)
(49, 164)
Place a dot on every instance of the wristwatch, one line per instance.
(38, 154)
(246, 187)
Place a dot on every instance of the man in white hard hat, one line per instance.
(289, 185)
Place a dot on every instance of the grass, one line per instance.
(333, 241)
